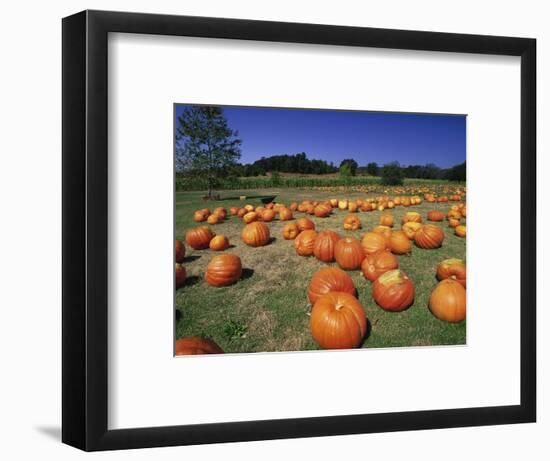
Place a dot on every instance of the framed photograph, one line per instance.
(279, 230)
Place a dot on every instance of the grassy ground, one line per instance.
(268, 309)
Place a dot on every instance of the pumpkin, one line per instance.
(448, 301)
(338, 321)
(223, 270)
(268, 215)
(180, 251)
(255, 234)
(219, 243)
(411, 216)
(180, 275)
(249, 217)
(352, 222)
(349, 253)
(221, 212)
(195, 345)
(199, 216)
(452, 269)
(454, 222)
(343, 204)
(406, 201)
(386, 219)
(305, 224)
(324, 245)
(270, 206)
(233, 210)
(373, 242)
(410, 228)
(333, 202)
(352, 207)
(393, 291)
(435, 216)
(329, 279)
(293, 206)
(249, 208)
(199, 237)
(213, 219)
(385, 231)
(290, 231)
(303, 244)
(322, 211)
(241, 212)
(455, 214)
(429, 236)
(460, 231)
(285, 214)
(376, 264)
(399, 243)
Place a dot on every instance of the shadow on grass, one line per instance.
(263, 198)
(367, 333)
(190, 281)
(247, 273)
(189, 259)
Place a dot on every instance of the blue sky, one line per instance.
(331, 135)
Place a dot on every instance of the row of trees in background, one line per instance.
(205, 146)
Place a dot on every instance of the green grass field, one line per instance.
(267, 310)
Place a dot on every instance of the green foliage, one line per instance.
(205, 145)
(392, 174)
(457, 173)
(276, 178)
(234, 330)
(345, 172)
(372, 169)
(352, 165)
(298, 163)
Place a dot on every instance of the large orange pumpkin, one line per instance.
(373, 242)
(338, 321)
(322, 211)
(452, 269)
(410, 228)
(349, 253)
(303, 244)
(386, 219)
(329, 279)
(385, 231)
(255, 234)
(352, 222)
(180, 251)
(429, 236)
(290, 231)
(376, 264)
(199, 237)
(180, 275)
(285, 214)
(324, 245)
(305, 224)
(223, 270)
(219, 243)
(435, 216)
(393, 291)
(399, 243)
(249, 217)
(411, 216)
(195, 345)
(448, 301)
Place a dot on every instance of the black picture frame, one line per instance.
(85, 224)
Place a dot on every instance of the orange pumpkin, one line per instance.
(180, 275)
(460, 231)
(329, 279)
(180, 251)
(352, 207)
(393, 291)
(435, 216)
(249, 217)
(255, 234)
(322, 211)
(221, 212)
(399, 243)
(429, 236)
(213, 219)
(305, 224)
(376, 264)
(448, 301)
(384, 231)
(373, 242)
(410, 229)
(452, 269)
(242, 212)
(223, 270)
(290, 231)
(195, 345)
(349, 253)
(338, 321)
(199, 237)
(352, 222)
(324, 245)
(199, 216)
(233, 210)
(303, 244)
(411, 216)
(268, 215)
(343, 204)
(454, 222)
(386, 219)
(285, 214)
(293, 206)
(219, 243)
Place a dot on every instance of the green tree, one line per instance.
(205, 145)
(345, 172)
(392, 174)
(457, 173)
(276, 178)
(352, 165)
(372, 169)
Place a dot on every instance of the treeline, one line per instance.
(297, 163)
